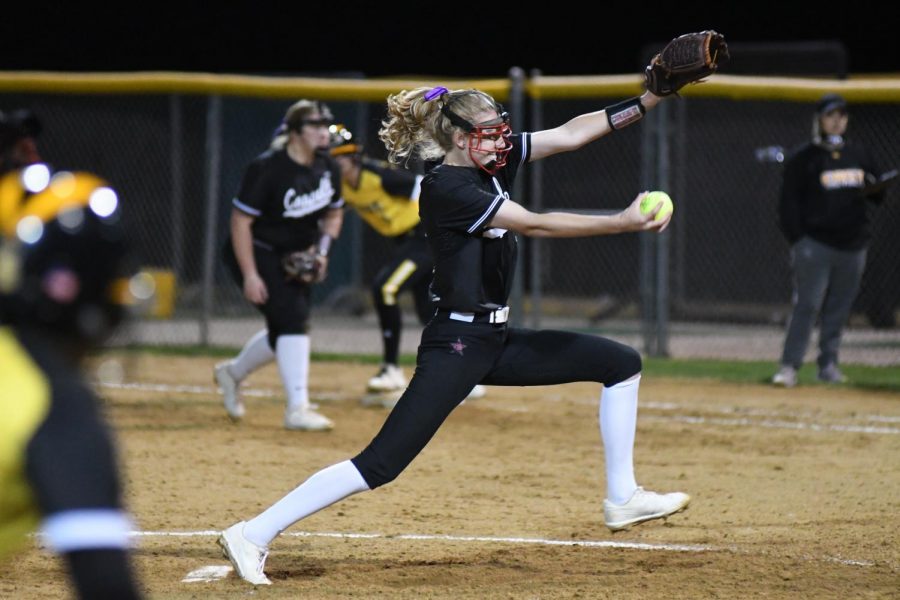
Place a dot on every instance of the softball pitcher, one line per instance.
(387, 198)
(471, 224)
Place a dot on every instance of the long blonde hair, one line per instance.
(416, 128)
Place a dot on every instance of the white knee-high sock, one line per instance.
(292, 354)
(618, 422)
(255, 353)
(319, 491)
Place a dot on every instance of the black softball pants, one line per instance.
(454, 356)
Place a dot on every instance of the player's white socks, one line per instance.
(255, 353)
(292, 354)
(319, 491)
(618, 422)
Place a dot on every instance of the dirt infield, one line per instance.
(796, 494)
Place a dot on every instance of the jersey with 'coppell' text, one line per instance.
(288, 199)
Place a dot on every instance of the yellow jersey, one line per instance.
(24, 404)
(387, 198)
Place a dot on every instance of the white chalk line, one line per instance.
(661, 406)
(452, 538)
(767, 424)
(214, 572)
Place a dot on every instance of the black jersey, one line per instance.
(473, 264)
(822, 196)
(287, 198)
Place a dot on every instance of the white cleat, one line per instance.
(643, 506)
(477, 392)
(381, 399)
(229, 386)
(248, 558)
(831, 374)
(306, 419)
(785, 377)
(389, 379)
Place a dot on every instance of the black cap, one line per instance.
(830, 102)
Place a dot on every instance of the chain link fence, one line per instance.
(177, 158)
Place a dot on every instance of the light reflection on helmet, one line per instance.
(64, 264)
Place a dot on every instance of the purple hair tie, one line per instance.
(435, 92)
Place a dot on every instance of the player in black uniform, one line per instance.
(823, 211)
(469, 219)
(289, 201)
(387, 198)
(62, 259)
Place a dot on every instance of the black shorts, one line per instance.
(288, 307)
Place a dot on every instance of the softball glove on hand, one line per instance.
(301, 265)
(686, 59)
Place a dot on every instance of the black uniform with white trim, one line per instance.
(467, 341)
(287, 200)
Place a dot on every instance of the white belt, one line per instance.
(501, 315)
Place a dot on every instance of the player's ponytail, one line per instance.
(415, 126)
(405, 132)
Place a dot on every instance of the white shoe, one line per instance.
(382, 399)
(306, 419)
(831, 374)
(477, 392)
(229, 386)
(248, 558)
(643, 506)
(389, 379)
(785, 377)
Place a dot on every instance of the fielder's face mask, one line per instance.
(496, 130)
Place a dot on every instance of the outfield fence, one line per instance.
(175, 144)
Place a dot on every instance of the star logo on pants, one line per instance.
(457, 347)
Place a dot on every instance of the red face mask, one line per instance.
(495, 131)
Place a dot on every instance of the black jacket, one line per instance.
(822, 196)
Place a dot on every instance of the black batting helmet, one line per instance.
(64, 264)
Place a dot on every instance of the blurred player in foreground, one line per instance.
(387, 198)
(63, 290)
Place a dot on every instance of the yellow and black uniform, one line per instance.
(56, 453)
(62, 258)
(387, 199)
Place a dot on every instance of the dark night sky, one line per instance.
(443, 38)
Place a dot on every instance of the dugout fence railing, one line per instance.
(174, 145)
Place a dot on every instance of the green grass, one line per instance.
(859, 376)
(755, 372)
